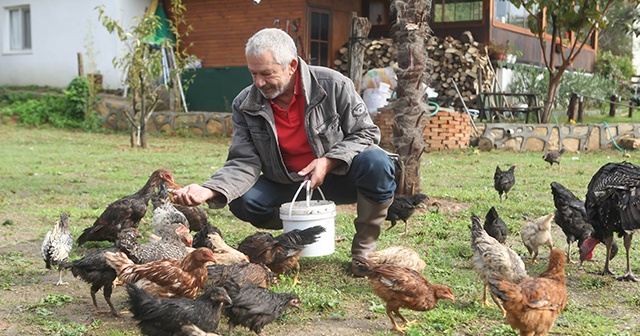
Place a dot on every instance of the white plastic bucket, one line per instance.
(305, 214)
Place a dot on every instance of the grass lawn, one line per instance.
(46, 171)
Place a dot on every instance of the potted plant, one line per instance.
(512, 53)
(497, 51)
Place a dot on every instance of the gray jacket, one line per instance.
(337, 122)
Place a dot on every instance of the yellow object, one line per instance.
(151, 10)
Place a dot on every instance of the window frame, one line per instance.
(25, 33)
(443, 4)
(320, 41)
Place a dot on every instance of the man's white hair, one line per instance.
(275, 40)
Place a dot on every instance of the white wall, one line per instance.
(60, 30)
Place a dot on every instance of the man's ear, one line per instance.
(293, 66)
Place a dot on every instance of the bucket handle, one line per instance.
(304, 183)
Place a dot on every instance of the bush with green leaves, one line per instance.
(74, 108)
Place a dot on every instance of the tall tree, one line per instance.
(410, 33)
(570, 26)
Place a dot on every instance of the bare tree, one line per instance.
(410, 34)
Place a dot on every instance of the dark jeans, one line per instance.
(371, 174)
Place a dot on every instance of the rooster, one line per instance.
(401, 287)
(537, 233)
(125, 212)
(163, 316)
(254, 307)
(490, 256)
(56, 245)
(534, 304)
(167, 277)
(571, 217)
(553, 157)
(402, 208)
(504, 180)
(281, 253)
(613, 206)
(495, 226)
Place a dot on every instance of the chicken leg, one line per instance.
(608, 241)
(569, 253)
(627, 246)
(60, 282)
(397, 327)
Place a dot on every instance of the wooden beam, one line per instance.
(360, 27)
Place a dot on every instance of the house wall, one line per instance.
(60, 30)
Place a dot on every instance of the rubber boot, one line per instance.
(368, 224)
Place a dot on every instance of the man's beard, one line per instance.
(271, 95)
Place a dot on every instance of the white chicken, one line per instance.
(56, 245)
(537, 233)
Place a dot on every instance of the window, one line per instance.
(457, 10)
(19, 28)
(506, 12)
(319, 41)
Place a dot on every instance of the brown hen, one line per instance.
(399, 256)
(125, 212)
(167, 277)
(533, 304)
(402, 287)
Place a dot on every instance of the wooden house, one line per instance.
(321, 27)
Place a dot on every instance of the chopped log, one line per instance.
(486, 142)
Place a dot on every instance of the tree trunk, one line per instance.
(554, 81)
(410, 33)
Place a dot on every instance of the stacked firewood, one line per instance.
(464, 61)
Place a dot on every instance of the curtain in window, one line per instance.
(15, 40)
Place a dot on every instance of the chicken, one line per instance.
(93, 268)
(399, 256)
(537, 233)
(254, 307)
(201, 239)
(553, 157)
(280, 254)
(490, 256)
(224, 253)
(192, 330)
(613, 206)
(164, 212)
(167, 277)
(241, 273)
(503, 181)
(534, 304)
(173, 244)
(402, 208)
(196, 216)
(401, 287)
(495, 226)
(56, 245)
(125, 212)
(571, 217)
(163, 316)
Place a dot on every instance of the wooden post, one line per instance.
(631, 104)
(360, 27)
(80, 65)
(571, 111)
(612, 105)
(580, 108)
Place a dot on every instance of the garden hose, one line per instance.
(612, 138)
(436, 110)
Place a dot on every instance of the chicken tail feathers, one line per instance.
(301, 237)
(85, 236)
(118, 261)
(504, 290)
(476, 226)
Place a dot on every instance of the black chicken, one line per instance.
(201, 238)
(553, 157)
(241, 273)
(164, 316)
(571, 217)
(254, 307)
(402, 208)
(495, 226)
(281, 253)
(56, 245)
(125, 212)
(613, 206)
(503, 181)
(93, 268)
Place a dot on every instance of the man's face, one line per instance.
(270, 77)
